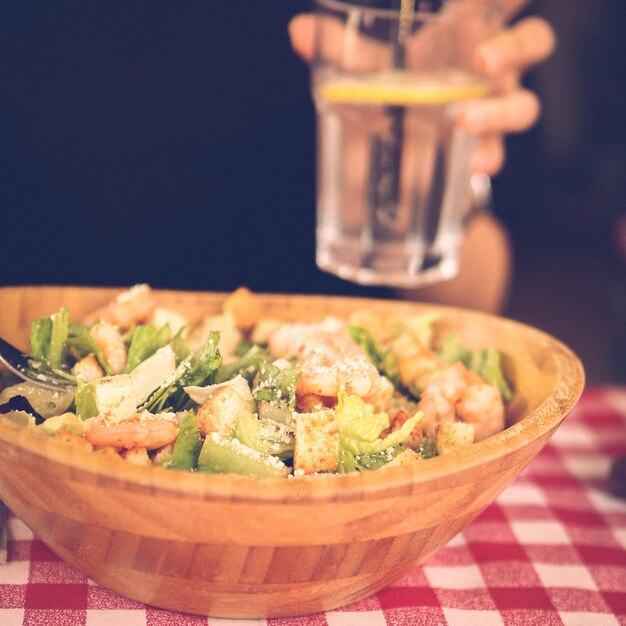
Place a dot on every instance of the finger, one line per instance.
(530, 41)
(513, 112)
(301, 32)
(510, 8)
(338, 43)
(489, 155)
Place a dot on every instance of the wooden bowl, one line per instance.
(236, 546)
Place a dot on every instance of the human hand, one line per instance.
(503, 59)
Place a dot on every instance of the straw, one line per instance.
(406, 9)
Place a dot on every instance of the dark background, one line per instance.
(173, 143)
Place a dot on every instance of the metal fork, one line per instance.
(22, 365)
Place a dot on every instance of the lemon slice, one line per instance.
(401, 88)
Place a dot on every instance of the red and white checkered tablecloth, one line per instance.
(550, 550)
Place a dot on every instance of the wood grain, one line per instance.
(235, 546)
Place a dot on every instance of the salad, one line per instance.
(240, 392)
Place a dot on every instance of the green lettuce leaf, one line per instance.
(69, 421)
(48, 337)
(187, 445)
(276, 384)
(45, 402)
(194, 370)
(21, 418)
(146, 340)
(83, 344)
(360, 427)
(485, 362)
(247, 366)
(385, 361)
(349, 462)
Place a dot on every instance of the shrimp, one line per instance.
(136, 456)
(287, 340)
(381, 400)
(414, 362)
(443, 388)
(132, 306)
(454, 393)
(481, 405)
(110, 343)
(329, 361)
(150, 433)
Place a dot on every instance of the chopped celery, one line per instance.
(220, 455)
(267, 437)
(187, 445)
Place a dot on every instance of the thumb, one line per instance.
(301, 34)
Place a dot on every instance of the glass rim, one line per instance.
(347, 6)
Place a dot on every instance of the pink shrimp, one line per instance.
(454, 393)
(287, 339)
(132, 306)
(150, 433)
(481, 405)
(440, 395)
(110, 342)
(329, 360)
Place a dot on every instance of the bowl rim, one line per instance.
(546, 417)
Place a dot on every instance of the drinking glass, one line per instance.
(393, 166)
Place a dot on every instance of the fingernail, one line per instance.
(472, 117)
(489, 60)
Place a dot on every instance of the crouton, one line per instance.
(244, 307)
(76, 441)
(316, 442)
(219, 412)
(136, 456)
(451, 436)
(88, 369)
(108, 452)
(111, 397)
